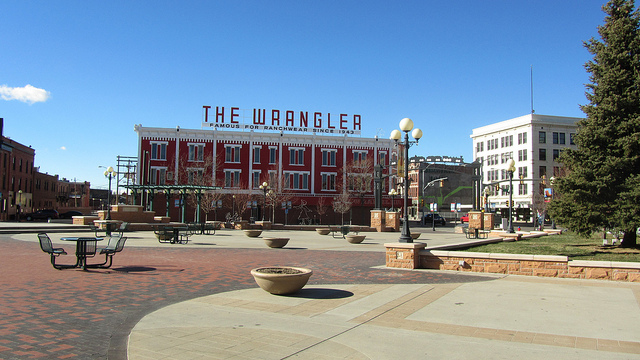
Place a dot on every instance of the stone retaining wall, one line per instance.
(514, 264)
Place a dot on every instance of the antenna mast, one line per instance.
(532, 111)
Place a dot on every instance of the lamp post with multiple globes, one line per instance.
(265, 188)
(406, 125)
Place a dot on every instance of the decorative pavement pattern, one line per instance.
(73, 314)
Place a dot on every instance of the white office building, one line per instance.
(534, 142)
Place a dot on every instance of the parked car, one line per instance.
(70, 214)
(46, 214)
(434, 218)
(464, 218)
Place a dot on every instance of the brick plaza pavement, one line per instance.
(72, 314)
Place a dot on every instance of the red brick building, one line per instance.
(304, 171)
(16, 183)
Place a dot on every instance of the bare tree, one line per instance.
(342, 204)
(321, 207)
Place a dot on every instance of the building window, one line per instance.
(273, 151)
(571, 136)
(492, 144)
(328, 157)
(361, 182)
(506, 141)
(522, 155)
(232, 153)
(196, 152)
(256, 154)
(296, 180)
(328, 181)
(296, 156)
(480, 146)
(232, 178)
(158, 176)
(562, 138)
(522, 189)
(522, 138)
(256, 179)
(359, 156)
(158, 151)
(542, 154)
(522, 172)
(382, 158)
(195, 176)
(542, 136)
(556, 154)
(543, 171)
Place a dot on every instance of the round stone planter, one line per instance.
(415, 235)
(276, 242)
(323, 231)
(252, 232)
(355, 239)
(281, 280)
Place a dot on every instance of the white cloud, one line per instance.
(63, 148)
(28, 94)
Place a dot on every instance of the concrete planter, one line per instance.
(276, 242)
(415, 235)
(355, 239)
(252, 232)
(323, 231)
(281, 280)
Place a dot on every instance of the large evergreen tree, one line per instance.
(601, 188)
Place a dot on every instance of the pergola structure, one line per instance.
(181, 190)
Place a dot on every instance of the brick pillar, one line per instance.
(489, 221)
(476, 220)
(378, 220)
(403, 255)
(393, 220)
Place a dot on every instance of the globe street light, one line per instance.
(109, 174)
(511, 167)
(264, 187)
(406, 125)
(393, 194)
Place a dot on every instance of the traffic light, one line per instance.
(507, 203)
(441, 183)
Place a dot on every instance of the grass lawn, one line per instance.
(567, 244)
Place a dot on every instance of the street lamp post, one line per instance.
(551, 181)
(393, 194)
(511, 167)
(264, 187)
(406, 125)
(109, 174)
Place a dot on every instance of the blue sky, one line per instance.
(451, 66)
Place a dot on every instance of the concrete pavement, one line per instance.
(355, 308)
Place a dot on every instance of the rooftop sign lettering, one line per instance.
(281, 120)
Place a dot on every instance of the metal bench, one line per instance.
(47, 246)
(115, 245)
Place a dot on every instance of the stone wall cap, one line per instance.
(435, 252)
(501, 256)
(605, 264)
(469, 254)
(559, 258)
(399, 245)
